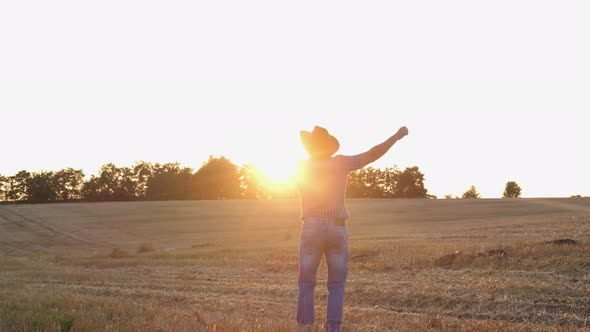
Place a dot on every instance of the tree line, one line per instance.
(390, 182)
(217, 178)
(511, 190)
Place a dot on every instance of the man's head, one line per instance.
(319, 144)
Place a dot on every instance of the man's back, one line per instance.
(322, 186)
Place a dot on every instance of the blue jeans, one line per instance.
(322, 238)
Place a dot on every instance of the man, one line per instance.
(322, 184)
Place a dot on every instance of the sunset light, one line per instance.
(279, 172)
(295, 166)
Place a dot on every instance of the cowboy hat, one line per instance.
(319, 142)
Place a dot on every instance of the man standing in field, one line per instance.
(322, 185)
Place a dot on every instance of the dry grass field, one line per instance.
(232, 266)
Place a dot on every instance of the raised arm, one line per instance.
(379, 150)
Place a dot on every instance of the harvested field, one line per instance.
(416, 265)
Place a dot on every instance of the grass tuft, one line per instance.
(118, 253)
(145, 247)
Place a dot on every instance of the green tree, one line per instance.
(68, 184)
(218, 178)
(142, 173)
(389, 181)
(18, 186)
(3, 187)
(169, 182)
(92, 190)
(366, 182)
(471, 193)
(355, 187)
(126, 186)
(512, 190)
(10, 193)
(410, 184)
(112, 184)
(41, 187)
(108, 180)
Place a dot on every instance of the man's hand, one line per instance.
(379, 150)
(403, 131)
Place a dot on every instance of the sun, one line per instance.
(278, 171)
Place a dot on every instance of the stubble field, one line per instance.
(416, 265)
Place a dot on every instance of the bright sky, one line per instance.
(491, 91)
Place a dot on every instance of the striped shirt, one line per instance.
(322, 185)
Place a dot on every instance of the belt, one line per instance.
(336, 222)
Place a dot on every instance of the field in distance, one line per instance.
(416, 265)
